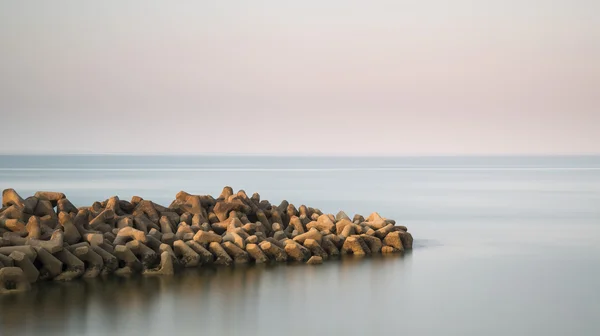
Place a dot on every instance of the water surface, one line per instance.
(503, 246)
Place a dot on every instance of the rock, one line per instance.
(234, 238)
(341, 215)
(53, 245)
(273, 251)
(315, 248)
(124, 254)
(329, 247)
(388, 249)
(74, 266)
(25, 249)
(51, 266)
(147, 208)
(94, 261)
(221, 257)
(252, 240)
(393, 239)
(407, 239)
(22, 261)
(127, 234)
(323, 223)
(315, 260)
(373, 243)
(352, 246)
(348, 231)
(111, 264)
(168, 238)
(50, 196)
(358, 219)
(296, 224)
(166, 266)
(33, 228)
(381, 233)
(14, 225)
(165, 225)
(205, 256)
(13, 275)
(311, 234)
(146, 255)
(293, 251)
(123, 238)
(204, 238)
(256, 253)
(187, 256)
(6, 261)
(341, 225)
(10, 197)
(71, 234)
(238, 255)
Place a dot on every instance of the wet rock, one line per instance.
(315, 249)
(16, 276)
(315, 260)
(127, 258)
(293, 251)
(221, 257)
(393, 240)
(74, 266)
(273, 251)
(407, 239)
(256, 253)
(146, 255)
(352, 246)
(205, 256)
(22, 261)
(94, 261)
(330, 247)
(110, 262)
(187, 256)
(51, 266)
(166, 266)
(388, 249)
(373, 243)
(238, 255)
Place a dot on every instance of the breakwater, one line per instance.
(45, 237)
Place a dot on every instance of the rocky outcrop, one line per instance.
(45, 237)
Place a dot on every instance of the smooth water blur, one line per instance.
(503, 246)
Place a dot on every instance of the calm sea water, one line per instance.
(503, 246)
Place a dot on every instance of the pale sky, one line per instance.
(281, 76)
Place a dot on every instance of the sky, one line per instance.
(347, 77)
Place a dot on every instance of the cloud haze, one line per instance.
(345, 77)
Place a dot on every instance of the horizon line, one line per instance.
(256, 154)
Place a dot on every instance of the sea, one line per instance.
(504, 245)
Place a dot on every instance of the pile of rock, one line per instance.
(45, 237)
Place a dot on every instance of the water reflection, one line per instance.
(220, 299)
